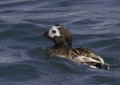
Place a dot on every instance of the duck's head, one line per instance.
(60, 35)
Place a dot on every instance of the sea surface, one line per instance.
(94, 24)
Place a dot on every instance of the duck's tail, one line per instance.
(101, 66)
(98, 65)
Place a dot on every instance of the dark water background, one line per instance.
(95, 24)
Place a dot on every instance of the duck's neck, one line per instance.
(59, 51)
(61, 47)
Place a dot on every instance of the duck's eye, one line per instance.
(53, 31)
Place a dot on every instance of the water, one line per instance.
(23, 52)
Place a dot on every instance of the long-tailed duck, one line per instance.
(62, 38)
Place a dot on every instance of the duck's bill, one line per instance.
(45, 34)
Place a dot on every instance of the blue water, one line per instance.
(94, 24)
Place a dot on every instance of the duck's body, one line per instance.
(80, 55)
(63, 48)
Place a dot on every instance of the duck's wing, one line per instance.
(89, 54)
(86, 56)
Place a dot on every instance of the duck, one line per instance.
(62, 47)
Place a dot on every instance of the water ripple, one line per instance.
(23, 52)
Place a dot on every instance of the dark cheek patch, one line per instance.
(53, 31)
